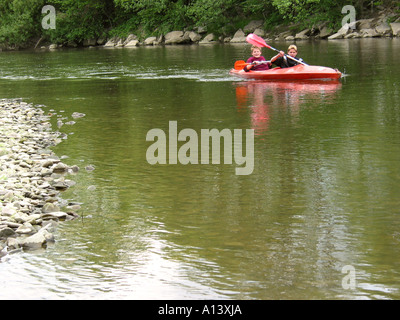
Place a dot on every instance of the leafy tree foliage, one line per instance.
(18, 20)
(77, 20)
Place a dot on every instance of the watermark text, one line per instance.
(196, 148)
(349, 280)
(350, 17)
(49, 21)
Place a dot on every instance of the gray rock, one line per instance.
(36, 241)
(343, 31)
(112, 42)
(54, 215)
(77, 115)
(60, 185)
(194, 36)
(120, 43)
(259, 32)
(6, 232)
(253, 25)
(60, 168)
(26, 228)
(150, 41)
(130, 38)
(8, 210)
(11, 224)
(369, 33)
(239, 37)
(90, 167)
(20, 217)
(284, 35)
(395, 28)
(353, 35)
(12, 243)
(365, 24)
(132, 43)
(202, 29)
(34, 219)
(177, 37)
(303, 35)
(384, 29)
(210, 38)
(47, 163)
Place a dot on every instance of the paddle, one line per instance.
(239, 65)
(259, 42)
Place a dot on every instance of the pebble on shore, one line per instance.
(31, 178)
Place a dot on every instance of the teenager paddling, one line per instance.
(282, 61)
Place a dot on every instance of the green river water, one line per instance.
(323, 198)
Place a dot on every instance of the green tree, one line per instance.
(216, 14)
(296, 10)
(161, 15)
(78, 20)
(18, 21)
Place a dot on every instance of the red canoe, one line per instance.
(299, 72)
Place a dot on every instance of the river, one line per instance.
(318, 217)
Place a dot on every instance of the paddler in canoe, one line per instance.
(281, 60)
(258, 63)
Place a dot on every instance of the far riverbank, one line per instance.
(381, 23)
(364, 28)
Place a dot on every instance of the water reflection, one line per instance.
(261, 96)
(324, 192)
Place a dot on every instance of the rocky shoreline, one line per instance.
(31, 178)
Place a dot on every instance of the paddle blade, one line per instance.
(256, 40)
(239, 65)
